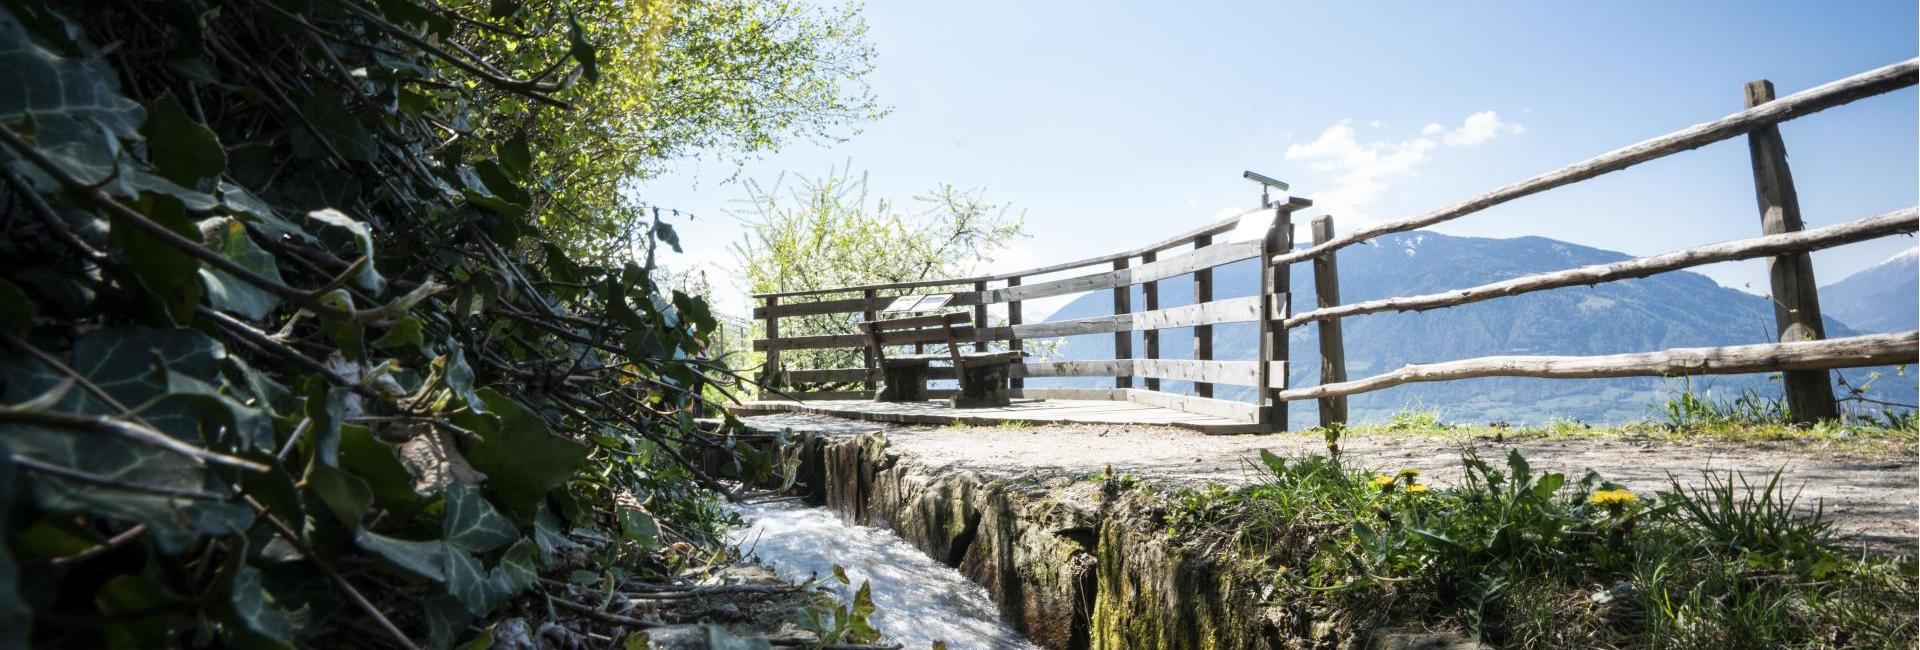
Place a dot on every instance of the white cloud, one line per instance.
(1479, 127)
(1374, 124)
(1362, 169)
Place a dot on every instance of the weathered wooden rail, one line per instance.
(1803, 353)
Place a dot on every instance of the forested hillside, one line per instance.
(1882, 298)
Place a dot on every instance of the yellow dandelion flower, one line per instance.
(1417, 489)
(1384, 482)
(1612, 498)
(1408, 472)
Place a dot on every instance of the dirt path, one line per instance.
(1875, 499)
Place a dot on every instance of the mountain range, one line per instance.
(1680, 309)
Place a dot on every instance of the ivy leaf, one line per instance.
(171, 277)
(582, 51)
(459, 377)
(345, 494)
(472, 524)
(424, 559)
(274, 488)
(523, 460)
(338, 229)
(182, 150)
(337, 126)
(228, 237)
(446, 620)
(546, 532)
(236, 200)
(375, 462)
(467, 581)
(641, 527)
(503, 186)
(72, 108)
(254, 608)
(696, 311)
(121, 362)
(325, 405)
(405, 333)
(515, 157)
(515, 572)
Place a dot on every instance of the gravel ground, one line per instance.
(1876, 500)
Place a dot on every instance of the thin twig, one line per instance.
(293, 538)
(125, 537)
(603, 616)
(89, 478)
(128, 430)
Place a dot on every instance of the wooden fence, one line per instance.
(1803, 353)
(1198, 253)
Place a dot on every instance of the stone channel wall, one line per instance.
(1072, 563)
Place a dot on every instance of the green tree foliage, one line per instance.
(708, 77)
(296, 349)
(826, 232)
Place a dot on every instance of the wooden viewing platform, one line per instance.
(1798, 347)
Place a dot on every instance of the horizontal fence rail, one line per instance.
(1897, 222)
(1850, 352)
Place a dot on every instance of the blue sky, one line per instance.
(1114, 124)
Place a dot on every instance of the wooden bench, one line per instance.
(982, 375)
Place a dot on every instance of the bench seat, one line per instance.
(983, 375)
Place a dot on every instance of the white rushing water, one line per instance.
(917, 600)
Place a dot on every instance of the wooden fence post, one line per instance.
(1150, 299)
(979, 316)
(1275, 286)
(1203, 334)
(1333, 350)
(871, 383)
(1122, 341)
(768, 372)
(1796, 302)
(1013, 341)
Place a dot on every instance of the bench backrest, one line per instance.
(932, 328)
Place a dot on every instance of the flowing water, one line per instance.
(917, 601)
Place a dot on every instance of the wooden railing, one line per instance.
(1803, 353)
(1193, 254)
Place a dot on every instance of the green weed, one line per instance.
(1523, 558)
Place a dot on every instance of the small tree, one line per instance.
(825, 233)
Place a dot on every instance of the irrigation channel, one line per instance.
(917, 600)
